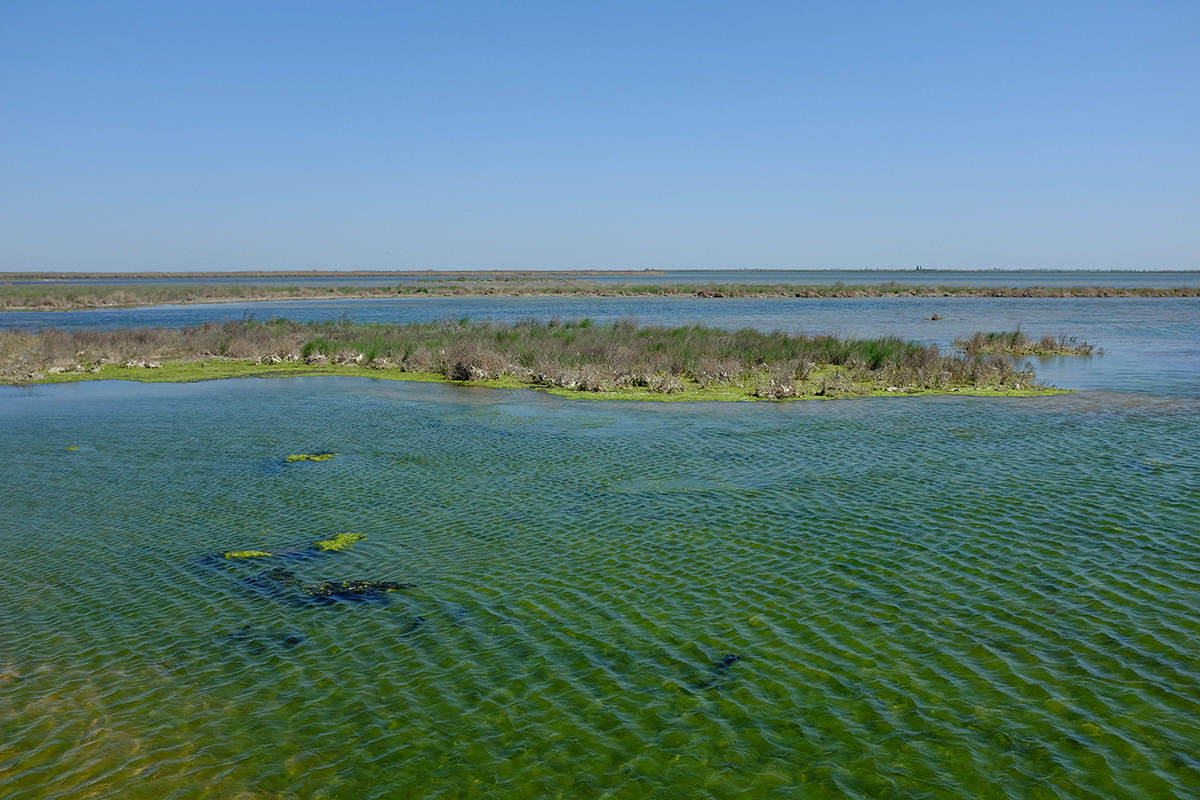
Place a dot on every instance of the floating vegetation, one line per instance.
(1016, 343)
(309, 457)
(340, 541)
(73, 447)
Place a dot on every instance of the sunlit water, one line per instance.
(927, 597)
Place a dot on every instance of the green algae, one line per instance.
(292, 459)
(340, 541)
(220, 369)
(73, 447)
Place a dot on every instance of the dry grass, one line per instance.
(1016, 343)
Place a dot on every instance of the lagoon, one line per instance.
(926, 596)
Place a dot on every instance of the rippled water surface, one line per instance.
(926, 597)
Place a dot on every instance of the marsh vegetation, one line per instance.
(621, 358)
(1016, 343)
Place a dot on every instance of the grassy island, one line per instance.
(621, 360)
(1015, 343)
(67, 296)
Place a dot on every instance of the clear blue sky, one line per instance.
(322, 135)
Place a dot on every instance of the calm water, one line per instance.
(799, 277)
(928, 597)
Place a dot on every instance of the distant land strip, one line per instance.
(318, 273)
(66, 297)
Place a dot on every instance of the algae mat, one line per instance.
(937, 597)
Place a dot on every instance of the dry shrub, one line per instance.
(471, 361)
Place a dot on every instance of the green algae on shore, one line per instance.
(691, 391)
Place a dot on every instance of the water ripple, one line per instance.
(934, 598)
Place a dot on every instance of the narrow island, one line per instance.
(1016, 343)
(67, 296)
(580, 358)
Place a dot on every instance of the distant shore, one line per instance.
(71, 296)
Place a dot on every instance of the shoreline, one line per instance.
(182, 371)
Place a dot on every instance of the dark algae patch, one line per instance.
(284, 583)
(352, 589)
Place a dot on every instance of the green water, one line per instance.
(928, 597)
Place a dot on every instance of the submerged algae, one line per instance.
(340, 541)
(325, 591)
(353, 588)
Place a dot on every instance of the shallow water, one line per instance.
(936, 597)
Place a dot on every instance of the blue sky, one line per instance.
(515, 135)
